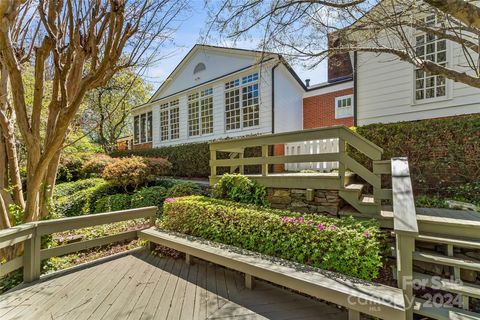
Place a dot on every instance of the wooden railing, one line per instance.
(30, 234)
(345, 136)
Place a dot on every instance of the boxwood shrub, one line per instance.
(344, 245)
(69, 188)
(114, 202)
(146, 197)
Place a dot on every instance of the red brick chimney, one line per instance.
(339, 64)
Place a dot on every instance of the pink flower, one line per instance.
(366, 234)
(292, 220)
(170, 200)
(300, 220)
(309, 222)
(320, 227)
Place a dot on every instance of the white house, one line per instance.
(389, 90)
(220, 92)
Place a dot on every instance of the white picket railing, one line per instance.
(312, 147)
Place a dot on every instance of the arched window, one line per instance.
(199, 67)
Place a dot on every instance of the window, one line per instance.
(142, 128)
(242, 103)
(169, 121)
(344, 107)
(199, 67)
(430, 47)
(200, 113)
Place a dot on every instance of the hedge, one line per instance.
(190, 160)
(443, 153)
(344, 245)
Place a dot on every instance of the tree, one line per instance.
(75, 46)
(107, 108)
(304, 29)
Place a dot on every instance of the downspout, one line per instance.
(355, 104)
(273, 97)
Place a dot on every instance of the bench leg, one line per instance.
(353, 315)
(248, 281)
(188, 259)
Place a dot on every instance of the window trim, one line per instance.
(168, 107)
(148, 133)
(243, 80)
(351, 106)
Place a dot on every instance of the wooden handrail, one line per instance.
(30, 234)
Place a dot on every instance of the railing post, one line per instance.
(405, 245)
(31, 258)
(213, 167)
(241, 169)
(264, 156)
(342, 149)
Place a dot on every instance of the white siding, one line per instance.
(288, 101)
(217, 64)
(219, 132)
(385, 88)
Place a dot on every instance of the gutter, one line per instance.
(355, 88)
(273, 96)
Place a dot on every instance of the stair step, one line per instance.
(426, 309)
(447, 261)
(355, 187)
(367, 199)
(458, 242)
(470, 290)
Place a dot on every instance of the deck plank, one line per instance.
(143, 286)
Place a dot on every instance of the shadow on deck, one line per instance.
(138, 285)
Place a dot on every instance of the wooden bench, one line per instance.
(358, 296)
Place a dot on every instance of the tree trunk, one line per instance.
(5, 199)
(49, 185)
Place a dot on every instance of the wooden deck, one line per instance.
(141, 286)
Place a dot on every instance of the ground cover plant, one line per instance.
(344, 245)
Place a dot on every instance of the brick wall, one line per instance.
(319, 111)
(278, 150)
(147, 145)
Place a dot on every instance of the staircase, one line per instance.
(365, 204)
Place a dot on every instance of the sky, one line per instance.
(189, 33)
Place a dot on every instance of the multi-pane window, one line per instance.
(174, 120)
(242, 103)
(193, 115)
(169, 121)
(142, 128)
(200, 112)
(344, 107)
(432, 48)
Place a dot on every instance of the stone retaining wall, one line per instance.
(324, 201)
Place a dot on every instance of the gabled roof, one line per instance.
(259, 56)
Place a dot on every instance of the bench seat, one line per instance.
(357, 295)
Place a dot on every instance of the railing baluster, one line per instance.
(342, 149)
(265, 156)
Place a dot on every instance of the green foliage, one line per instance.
(425, 201)
(239, 188)
(95, 165)
(135, 171)
(167, 183)
(184, 189)
(70, 167)
(188, 160)
(68, 188)
(442, 153)
(114, 202)
(146, 197)
(75, 204)
(469, 192)
(344, 245)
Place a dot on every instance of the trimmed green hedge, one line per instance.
(190, 160)
(344, 245)
(443, 153)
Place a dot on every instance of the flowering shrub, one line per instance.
(239, 188)
(135, 171)
(95, 165)
(344, 245)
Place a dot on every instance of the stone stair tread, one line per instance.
(442, 313)
(470, 290)
(458, 242)
(355, 187)
(367, 199)
(447, 261)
